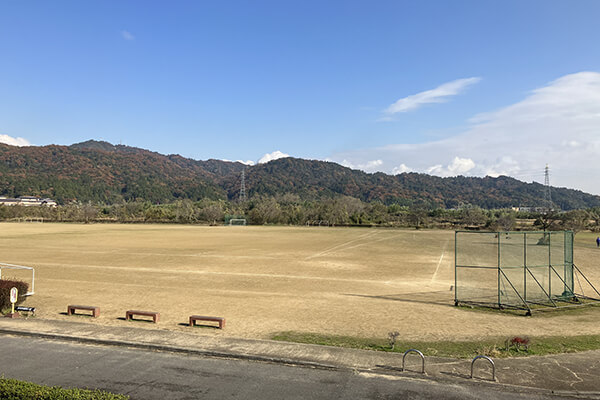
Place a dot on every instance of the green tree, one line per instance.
(505, 222)
(265, 210)
(473, 216)
(575, 220)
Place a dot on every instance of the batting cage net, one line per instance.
(518, 270)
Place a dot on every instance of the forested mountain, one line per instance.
(317, 179)
(101, 172)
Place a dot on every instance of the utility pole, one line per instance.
(243, 187)
(547, 194)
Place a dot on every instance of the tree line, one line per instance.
(290, 209)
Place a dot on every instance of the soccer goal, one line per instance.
(31, 219)
(519, 270)
(237, 221)
(318, 222)
(26, 274)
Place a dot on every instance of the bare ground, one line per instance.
(343, 281)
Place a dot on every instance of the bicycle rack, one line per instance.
(420, 354)
(491, 362)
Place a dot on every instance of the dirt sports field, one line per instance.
(345, 281)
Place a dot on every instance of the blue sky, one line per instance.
(443, 87)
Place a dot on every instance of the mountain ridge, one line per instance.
(99, 171)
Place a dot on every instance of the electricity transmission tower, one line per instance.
(243, 187)
(547, 194)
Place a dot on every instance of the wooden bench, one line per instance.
(194, 318)
(155, 315)
(95, 310)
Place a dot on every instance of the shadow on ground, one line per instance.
(439, 297)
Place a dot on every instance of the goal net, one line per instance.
(20, 272)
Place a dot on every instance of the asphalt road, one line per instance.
(168, 376)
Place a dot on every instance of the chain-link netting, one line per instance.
(514, 269)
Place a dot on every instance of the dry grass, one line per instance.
(331, 281)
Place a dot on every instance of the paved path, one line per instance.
(150, 375)
(566, 374)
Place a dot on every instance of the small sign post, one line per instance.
(14, 294)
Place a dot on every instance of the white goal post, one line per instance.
(4, 266)
(237, 221)
(318, 222)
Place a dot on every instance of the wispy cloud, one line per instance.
(272, 156)
(555, 124)
(14, 141)
(127, 35)
(438, 95)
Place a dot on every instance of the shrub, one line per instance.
(517, 342)
(392, 337)
(12, 389)
(5, 286)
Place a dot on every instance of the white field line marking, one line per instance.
(170, 255)
(204, 272)
(439, 262)
(370, 242)
(341, 245)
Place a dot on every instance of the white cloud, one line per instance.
(438, 95)
(507, 166)
(401, 169)
(18, 141)
(458, 166)
(247, 162)
(369, 166)
(346, 163)
(557, 124)
(127, 35)
(272, 156)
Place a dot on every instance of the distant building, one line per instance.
(27, 201)
(529, 209)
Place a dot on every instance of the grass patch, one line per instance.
(12, 389)
(494, 347)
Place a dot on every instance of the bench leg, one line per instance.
(69, 311)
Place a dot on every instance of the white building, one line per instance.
(27, 201)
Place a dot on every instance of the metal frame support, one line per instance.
(491, 362)
(420, 354)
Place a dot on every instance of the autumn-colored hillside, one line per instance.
(101, 172)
